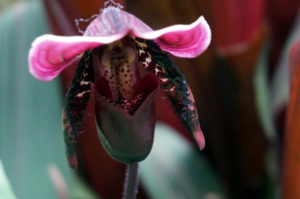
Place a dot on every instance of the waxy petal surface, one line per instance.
(180, 40)
(114, 21)
(174, 85)
(187, 41)
(50, 54)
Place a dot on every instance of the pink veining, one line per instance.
(50, 54)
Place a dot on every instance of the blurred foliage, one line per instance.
(280, 83)
(239, 93)
(6, 3)
(174, 169)
(30, 131)
(263, 95)
(5, 187)
(81, 190)
(291, 164)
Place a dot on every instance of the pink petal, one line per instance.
(199, 137)
(50, 54)
(114, 21)
(180, 40)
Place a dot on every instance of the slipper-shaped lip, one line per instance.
(148, 85)
(128, 138)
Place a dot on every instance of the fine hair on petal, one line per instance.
(112, 3)
(108, 5)
(77, 22)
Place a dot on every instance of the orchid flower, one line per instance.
(124, 62)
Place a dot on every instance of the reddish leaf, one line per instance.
(281, 15)
(294, 61)
(235, 23)
(291, 155)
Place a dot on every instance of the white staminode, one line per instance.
(112, 18)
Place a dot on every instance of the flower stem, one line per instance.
(131, 181)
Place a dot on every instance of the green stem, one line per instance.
(131, 181)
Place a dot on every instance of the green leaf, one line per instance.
(5, 188)
(262, 94)
(174, 169)
(82, 191)
(264, 109)
(30, 128)
(79, 190)
(280, 83)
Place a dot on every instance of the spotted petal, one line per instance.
(75, 104)
(174, 85)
